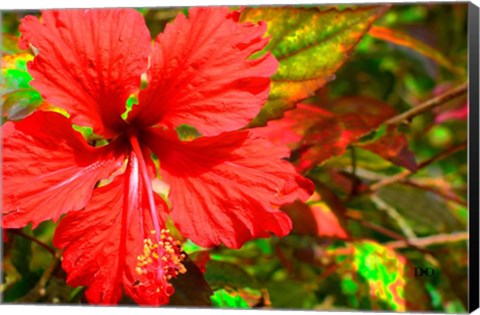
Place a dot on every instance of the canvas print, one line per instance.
(259, 157)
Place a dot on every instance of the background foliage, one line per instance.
(391, 189)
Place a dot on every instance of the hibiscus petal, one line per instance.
(102, 244)
(89, 62)
(200, 73)
(227, 188)
(49, 169)
(91, 239)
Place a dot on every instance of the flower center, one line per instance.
(160, 261)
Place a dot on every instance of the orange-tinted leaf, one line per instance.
(311, 45)
(403, 39)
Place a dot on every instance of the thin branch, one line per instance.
(331, 269)
(382, 230)
(375, 227)
(426, 106)
(443, 194)
(443, 154)
(33, 239)
(390, 180)
(353, 156)
(402, 176)
(39, 290)
(430, 240)
(421, 242)
(397, 217)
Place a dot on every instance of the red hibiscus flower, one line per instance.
(224, 187)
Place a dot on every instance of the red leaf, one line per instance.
(326, 132)
(460, 113)
(89, 62)
(393, 147)
(291, 128)
(346, 182)
(49, 169)
(456, 109)
(225, 189)
(316, 219)
(201, 75)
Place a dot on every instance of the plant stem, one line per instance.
(353, 190)
(443, 154)
(444, 194)
(402, 176)
(430, 240)
(395, 215)
(420, 242)
(378, 228)
(431, 103)
(33, 239)
(39, 291)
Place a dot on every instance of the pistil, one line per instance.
(161, 258)
(146, 180)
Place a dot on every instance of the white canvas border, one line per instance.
(80, 310)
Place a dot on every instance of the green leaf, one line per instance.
(187, 133)
(131, 101)
(221, 274)
(222, 298)
(291, 294)
(384, 271)
(189, 247)
(20, 257)
(18, 98)
(310, 45)
(389, 276)
(427, 212)
(9, 44)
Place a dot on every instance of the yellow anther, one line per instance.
(162, 256)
